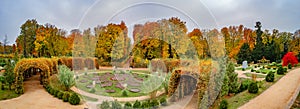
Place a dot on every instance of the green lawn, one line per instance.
(248, 68)
(244, 97)
(8, 94)
(88, 98)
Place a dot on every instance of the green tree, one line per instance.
(27, 37)
(9, 73)
(232, 77)
(244, 54)
(66, 76)
(258, 51)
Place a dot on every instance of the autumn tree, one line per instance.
(27, 37)
(111, 41)
(289, 58)
(50, 41)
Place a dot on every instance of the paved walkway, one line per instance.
(278, 96)
(36, 97)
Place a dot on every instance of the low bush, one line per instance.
(257, 71)
(116, 105)
(92, 90)
(252, 70)
(154, 104)
(146, 104)
(137, 104)
(253, 88)
(59, 94)
(66, 96)
(105, 105)
(243, 69)
(127, 105)
(270, 77)
(285, 70)
(74, 99)
(163, 101)
(280, 71)
(290, 66)
(223, 104)
(244, 85)
(124, 93)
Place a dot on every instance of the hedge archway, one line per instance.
(26, 64)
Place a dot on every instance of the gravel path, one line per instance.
(36, 97)
(278, 96)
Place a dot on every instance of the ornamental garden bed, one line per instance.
(110, 83)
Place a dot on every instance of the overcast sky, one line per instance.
(204, 14)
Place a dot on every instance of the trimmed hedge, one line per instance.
(65, 96)
(137, 104)
(127, 105)
(253, 88)
(74, 99)
(223, 104)
(270, 77)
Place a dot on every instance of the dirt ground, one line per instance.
(36, 97)
(278, 96)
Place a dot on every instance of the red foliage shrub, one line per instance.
(289, 58)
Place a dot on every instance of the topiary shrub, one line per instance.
(154, 104)
(243, 69)
(223, 104)
(244, 85)
(92, 90)
(59, 94)
(65, 96)
(270, 77)
(74, 99)
(280, 71)
(146, 104)
(55, 93)
(124, 93)
(116, 105)
(137, 104)
(105, 105)
(253, 88)
(127, 105)
(290, 66)
(163, 101)
(285, 70)
(252, 70)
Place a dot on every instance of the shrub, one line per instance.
(127, 105)
(255, 66)
(55, 93)
(290, 66)
(163, 101)
(244, 85)
(59, 94)
(116, 105)
(65, 97)
(154, 104)
(257, 71)
(274, 68)
(74, 99)
(137, 104)
(92, 90)
(146, 104)
(223, 104)
(105, 105)
(253, 88)
(280, 71)
(124, 93)
(284, 70)
(270, 77)
(252, 70)
(66, 76)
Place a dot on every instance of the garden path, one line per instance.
(36, 97)
(281, 95)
